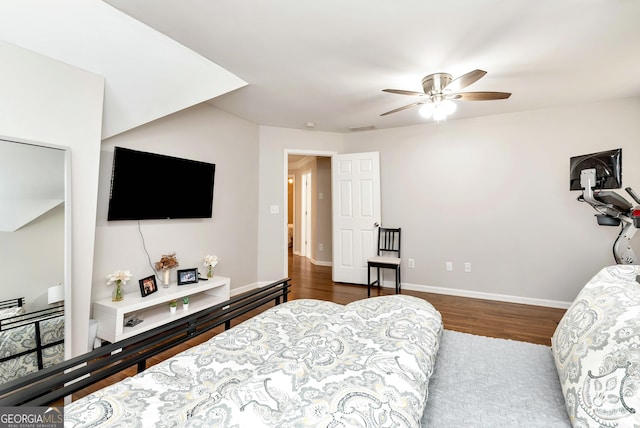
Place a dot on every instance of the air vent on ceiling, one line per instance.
(363, 128)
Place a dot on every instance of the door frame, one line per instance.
(305, 221)
(293, 197)
(285, 176)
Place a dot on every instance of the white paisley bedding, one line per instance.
(301, 363)
(596, 348)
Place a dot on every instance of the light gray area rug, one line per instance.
(484, 382)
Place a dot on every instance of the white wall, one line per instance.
(274, 142)
(45, 101)
(200, 133)
(493, 191)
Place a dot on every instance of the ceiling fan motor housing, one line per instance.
(435, 83)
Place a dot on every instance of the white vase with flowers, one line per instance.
(119, 278)
(210, 261)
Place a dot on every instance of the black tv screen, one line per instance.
(147, 186)
(608, 166)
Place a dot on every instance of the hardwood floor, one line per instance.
(534, 324)
(482, 317)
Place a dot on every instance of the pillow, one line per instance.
(596, 348)
(11, 312)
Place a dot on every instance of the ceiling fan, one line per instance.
(439, 91)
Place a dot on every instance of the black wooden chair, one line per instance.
(388, 257)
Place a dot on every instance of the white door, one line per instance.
(355, 181)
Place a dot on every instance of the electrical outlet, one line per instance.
(275, 209)
(467, 267)
(449, 266)
(412, 263)
(321, 247)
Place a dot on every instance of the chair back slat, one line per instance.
(389, 241)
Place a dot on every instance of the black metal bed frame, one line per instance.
(53, 383)
(35, 318)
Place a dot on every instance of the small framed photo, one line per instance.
(148, 285)
(187, 276)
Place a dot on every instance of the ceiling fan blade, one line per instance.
(465, 80)
(479, 96)
(403, 92)
(401, 108)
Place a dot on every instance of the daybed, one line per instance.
(29, 341)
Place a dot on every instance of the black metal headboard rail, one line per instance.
(30, 317)
(50, 384)
(12, 303)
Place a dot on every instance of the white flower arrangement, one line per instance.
(210, 260)
(119, 277)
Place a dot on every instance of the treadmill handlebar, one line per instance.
(633, 194)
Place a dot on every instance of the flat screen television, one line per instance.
(608, 166)
(147, 186)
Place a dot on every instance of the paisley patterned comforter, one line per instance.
(301, 363)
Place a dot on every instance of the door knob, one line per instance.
(376, 224)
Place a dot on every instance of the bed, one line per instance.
(301, 363)
(29, 341)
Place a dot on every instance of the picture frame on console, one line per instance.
(148, 285)
(187, 276)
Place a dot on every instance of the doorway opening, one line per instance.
(309, 222)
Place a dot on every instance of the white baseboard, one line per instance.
(249, 287)
(314, 261)
(481, 295)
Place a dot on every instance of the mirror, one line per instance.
(34, 256)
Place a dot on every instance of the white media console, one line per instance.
(153, 309)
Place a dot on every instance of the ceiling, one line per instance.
(326, 62)
(147, 74)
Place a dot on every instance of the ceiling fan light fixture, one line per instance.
(449, 107)
(427, 110)
(439, 113)
(439, 110)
